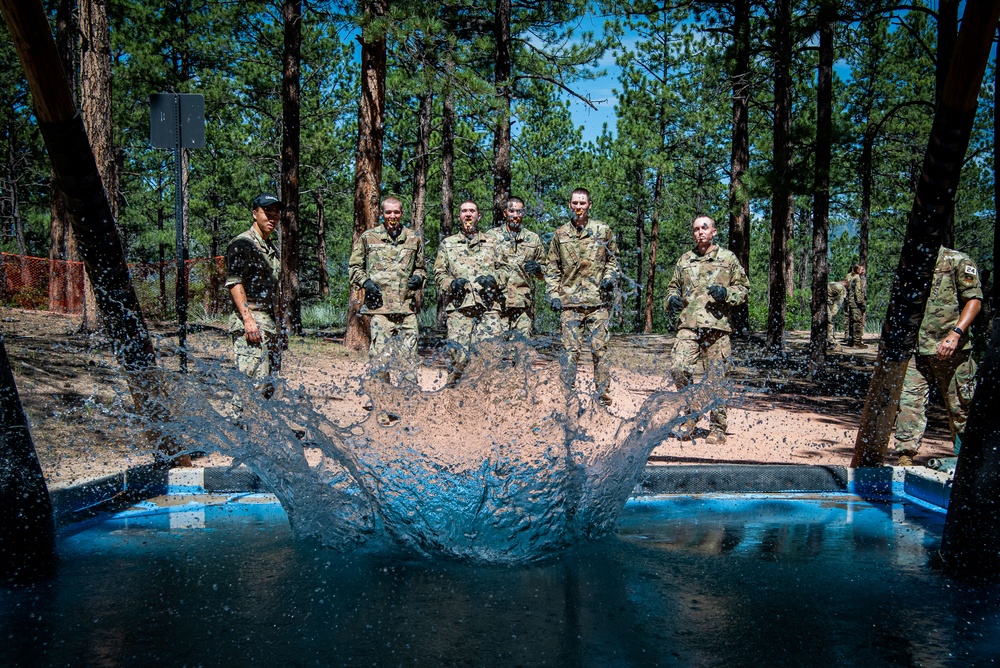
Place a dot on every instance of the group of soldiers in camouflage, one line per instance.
(487, 279)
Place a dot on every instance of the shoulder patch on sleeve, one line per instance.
(969, 269)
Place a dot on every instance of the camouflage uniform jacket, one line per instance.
(512, 252)
(577, 262)
(389, 263)
(254, 264)
(693, 275)
(955, 282)
(856, 298)
(836, 292)
(468, 258)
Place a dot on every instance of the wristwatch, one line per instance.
(958, 330)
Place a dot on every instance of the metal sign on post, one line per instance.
(177, 121)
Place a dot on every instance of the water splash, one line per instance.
(508, 467)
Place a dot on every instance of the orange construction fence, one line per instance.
(56, 285)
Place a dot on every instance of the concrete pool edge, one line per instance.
(933, 488)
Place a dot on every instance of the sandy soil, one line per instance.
(76, 400)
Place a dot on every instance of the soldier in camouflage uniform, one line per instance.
(857, 303)
(836, 293)
(521, 257)
(388, 263)
(943, 354)
(708, 282)
(581, 275)
(466, 270)
(252, 266)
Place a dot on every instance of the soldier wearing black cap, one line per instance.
(252, 267)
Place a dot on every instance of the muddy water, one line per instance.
(507, 467)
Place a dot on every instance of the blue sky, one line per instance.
(599, 90)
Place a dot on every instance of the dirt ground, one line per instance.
(75, 398)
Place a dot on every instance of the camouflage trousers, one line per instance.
(466, 328)
(854, 324)
(393, 339)
(704, 352)
(955, 378)
(516, 320)
(831, 312)
(586, 326)
(255, 360)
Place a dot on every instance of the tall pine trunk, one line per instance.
(640, 241)
(324, 275)
(65, 296)
(421, 160)
(739, 201)
(654, 242)
(502, 70)
(95, 103)
(291, 307)
(368, 164)
(781, 206)
(821, 194)
(447, 164)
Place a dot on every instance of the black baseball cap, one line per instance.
(264, 200)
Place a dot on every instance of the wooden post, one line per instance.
(27, 528)
(932, 206)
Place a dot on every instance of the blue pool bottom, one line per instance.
(689, 580)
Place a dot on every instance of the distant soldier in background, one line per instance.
(581, 275)
(708, 282)
(388, 263)
(252, 268)
(943, 354)
(520, 258)
(836, 293)
(857, 304)
(466, 271)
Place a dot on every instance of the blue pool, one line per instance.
(697, 580)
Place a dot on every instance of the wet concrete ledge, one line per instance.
(122, 490)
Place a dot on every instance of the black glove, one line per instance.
(458, 288)
(373, 294)
(490, 289)
(607, 289)
(555, 303)
(675, 304)
(718, 293)
(532, 268)
(415, 282)
(487, 282)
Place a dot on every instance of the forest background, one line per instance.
(800, 126)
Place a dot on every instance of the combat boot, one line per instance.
(685, 430)
(904, 460)
(716, 437)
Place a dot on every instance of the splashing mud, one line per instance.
(507, 467)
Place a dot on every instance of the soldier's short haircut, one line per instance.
(701, 215)
(854, 268)
(514, 200)
(468, 201)
(392, 200)
(580, 191)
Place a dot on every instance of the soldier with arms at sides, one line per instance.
(388, 263)
(581, 275)
(252, 269)
(708, 282)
